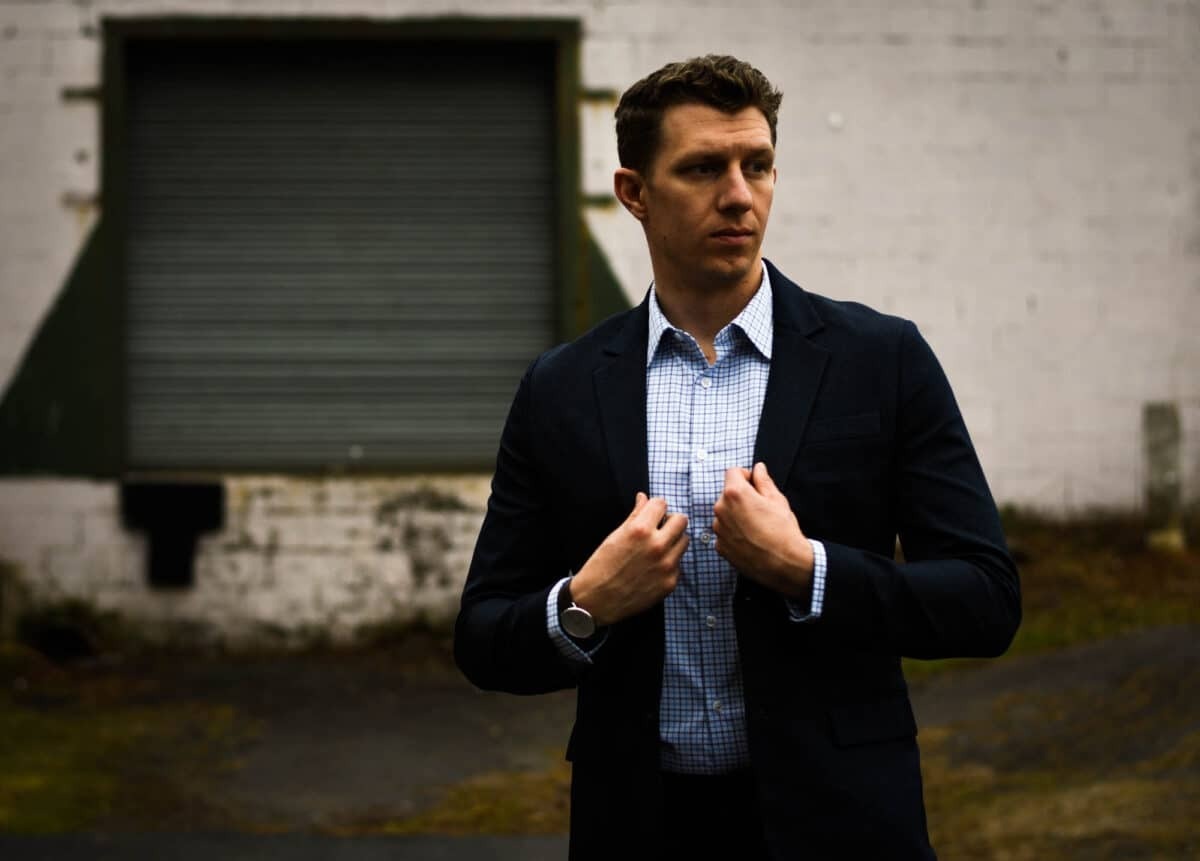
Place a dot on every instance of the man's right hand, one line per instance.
(636, 566)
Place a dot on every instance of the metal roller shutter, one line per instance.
(338, 252)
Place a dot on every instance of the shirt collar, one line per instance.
(755, 321)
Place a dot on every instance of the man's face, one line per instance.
(705, 198)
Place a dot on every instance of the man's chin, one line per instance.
(715, 273)
(731, 271)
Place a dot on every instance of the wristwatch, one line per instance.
(575, 620)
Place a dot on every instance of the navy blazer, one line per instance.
(861, 432)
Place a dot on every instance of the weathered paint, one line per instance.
(299, 559)
(1019, 178)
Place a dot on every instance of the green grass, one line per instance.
(1110, 775)
(521, 802)
(77, 753)
(1087, 580)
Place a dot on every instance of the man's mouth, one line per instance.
(733, 236)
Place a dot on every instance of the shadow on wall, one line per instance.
(62, 413)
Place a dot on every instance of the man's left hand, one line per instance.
(758, 533)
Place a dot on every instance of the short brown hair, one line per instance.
(720, 81)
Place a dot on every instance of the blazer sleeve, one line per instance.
(957, 593)
(501, 641)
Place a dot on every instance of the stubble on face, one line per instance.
(708, 195)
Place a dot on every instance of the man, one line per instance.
(693, 520)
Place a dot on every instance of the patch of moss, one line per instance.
(1082, 772)
(82, 755)
(73, 629)
(524, 802)
(431, 638)
(1029, 816)
(423, 498)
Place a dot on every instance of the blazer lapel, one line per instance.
(797, 366)
(620, 383)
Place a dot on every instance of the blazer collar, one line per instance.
(793, 309)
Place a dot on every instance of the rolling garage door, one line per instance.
(337, 252)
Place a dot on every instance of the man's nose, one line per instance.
(735, 191)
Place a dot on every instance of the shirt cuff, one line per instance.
(567, 647)
(796, 611)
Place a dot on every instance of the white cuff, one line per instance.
(798, 613)
(567, 647)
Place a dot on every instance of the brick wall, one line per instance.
(1020, 177)
(297, 559)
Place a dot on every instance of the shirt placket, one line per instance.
(678, 449)
(706, 485)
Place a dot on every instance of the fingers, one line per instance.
(672, 557)
(736, 476)
(762, 480)
(673, 525)
(661, 533)
(639, 503)
(650, 514)
(723, 541)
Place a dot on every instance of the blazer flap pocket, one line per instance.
(843, 427)
(864, 723)
(601, 740)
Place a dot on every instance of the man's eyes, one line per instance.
(757, 167)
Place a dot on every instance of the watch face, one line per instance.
(578, 622)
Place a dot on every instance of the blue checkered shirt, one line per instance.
(702, 419)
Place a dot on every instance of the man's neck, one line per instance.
(703, 311)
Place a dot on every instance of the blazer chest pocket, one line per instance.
(833, 428)
(868, 723)
(842, 448)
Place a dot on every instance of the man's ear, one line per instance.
(630, 189)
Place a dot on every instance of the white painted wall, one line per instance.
(297, 560)
(1020, 177)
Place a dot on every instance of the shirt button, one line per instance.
(705, 382)
(701, 454)
(717, 706)
(705, 537)
(711, 621)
